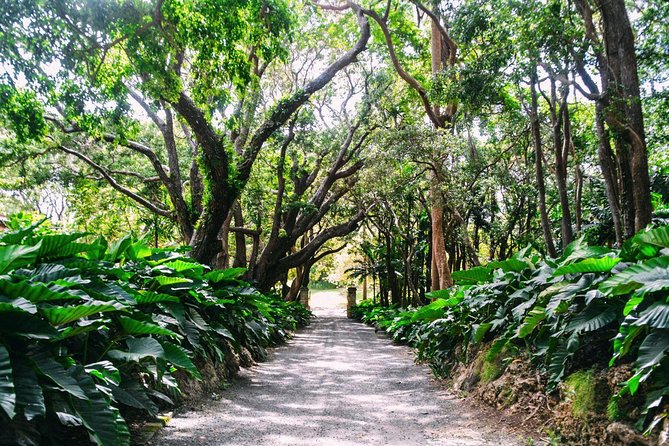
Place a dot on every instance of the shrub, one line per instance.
(562, 312)
(90, 332)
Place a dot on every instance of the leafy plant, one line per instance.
(555, 311)
(92, 333)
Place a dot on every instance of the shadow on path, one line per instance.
(336, 383)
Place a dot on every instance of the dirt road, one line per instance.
(337, 383)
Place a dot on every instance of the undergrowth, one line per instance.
(591, 308)
(91, 333)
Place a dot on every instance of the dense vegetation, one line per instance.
(92, 333)
(421, 142)
(591, 306)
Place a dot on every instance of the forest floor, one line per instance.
(336, 383)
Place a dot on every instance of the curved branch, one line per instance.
(113, 183)
(413, 83)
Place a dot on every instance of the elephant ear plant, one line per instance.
(91, 333)
(557, 312)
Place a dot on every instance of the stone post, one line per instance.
(303, 297)
(350, 300)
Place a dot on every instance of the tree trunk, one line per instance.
(607, 165)
(541, 187)
(621, 55)
(240, 239)
(560, 118)
(395, 294)
(441, 272)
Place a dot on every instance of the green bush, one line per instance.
(561, 312)
(90, 332)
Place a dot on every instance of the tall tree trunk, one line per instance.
(441, 272)
(607, 165)
(561, 136)
(621, 55)
(539, 170)
(240, 239)
(394, 287)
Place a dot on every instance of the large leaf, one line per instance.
(181, 266)
(52, 369)
(595, 316)
(34, 292)
(136, 327)
(56, 245)
(162, 281)
(138, 250)
(590, 265)
(656, 316)
(650, 275)
(29, 394)
(149, 297)
(658, 236)
(533, 318)
(223, 275)
(509, 265)
(178, 356)
(16, 256)
(479, 274)
(118, 248)
(578, 249)
(104, 426)
(15, 321)
(653, 349)
(7, 391)
(133, 394)
(64, 315)
(138, 349)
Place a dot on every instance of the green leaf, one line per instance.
(137, 251)
(578, 249)
(53, 370)
(7, 392)
(138, 349)
(181, 266)
(509, 265)
(479, 274)
(118, 248)
(595, 316)
(179, 357)
(434, 310)
(656, 316)
(135, 327)
(33, 292)
(649, 276)
(533, 318)
(165, 280)
(16, 256)
(481, 331)
(633, 302)
(653, 348)
(57, 245)
(590, 265)
(16, 322)
(658, 236)
(64, 315)
(104, 425)
(223, 275)
(439, 294)
(29, 394)
(104, 371)
(149, 297)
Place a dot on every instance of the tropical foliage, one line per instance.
(92, 332)
(557, 311)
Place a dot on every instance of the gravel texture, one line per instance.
(336, 383)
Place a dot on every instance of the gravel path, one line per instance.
(337, 383)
